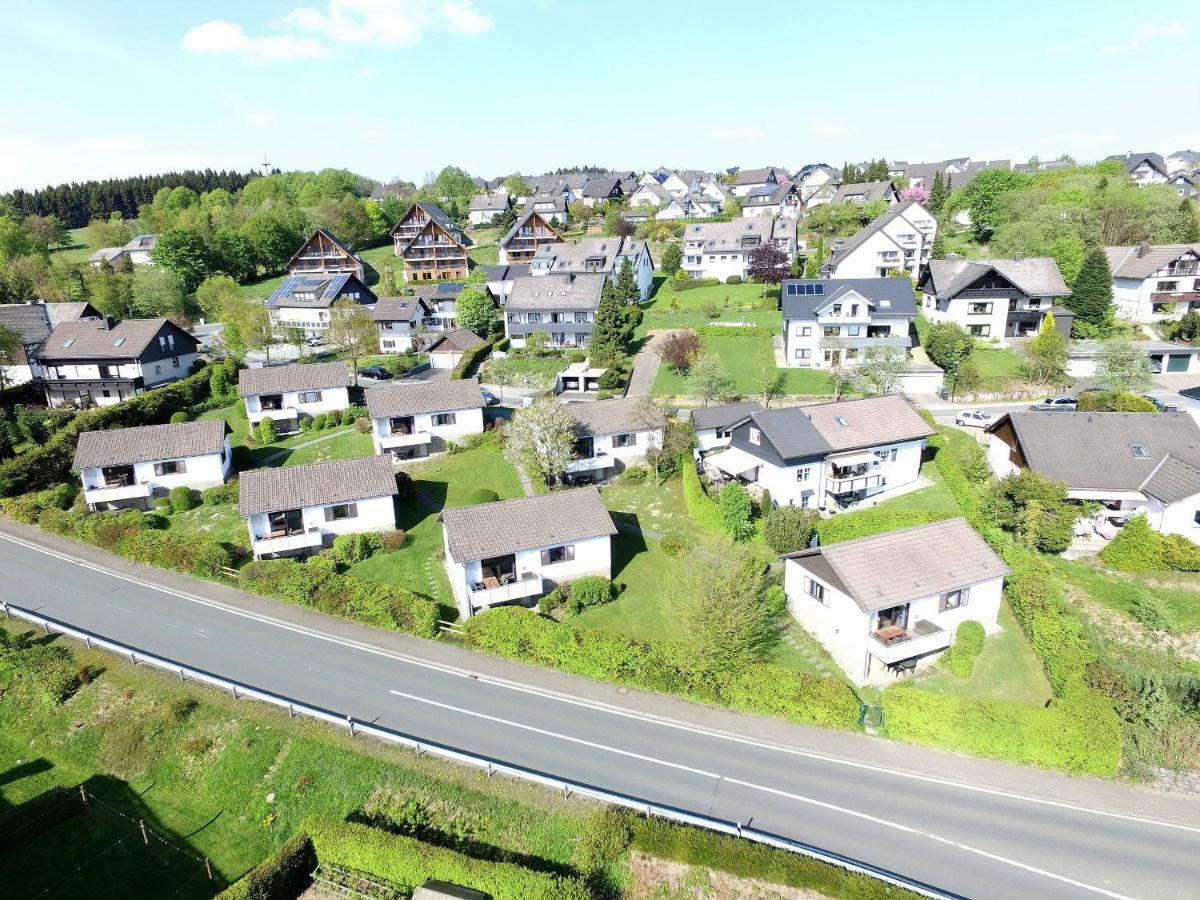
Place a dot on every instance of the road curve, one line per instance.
(974, 840)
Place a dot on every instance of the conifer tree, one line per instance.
(938, 250)
(938, 193)
(1091, 296)
(627, 287)
(608, 333)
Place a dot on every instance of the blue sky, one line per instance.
(401, 87)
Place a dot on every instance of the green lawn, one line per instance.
(324, 446)
(936, 498)
(1178, 591)
(742, 357)
(668, 308)
(994, 363)
(1007, 669)
(238, 425)
(220, 522)
(531, 371)
(76, 250)
(484, 250)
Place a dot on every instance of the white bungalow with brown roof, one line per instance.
(297, 510)
(1152, 282)
(613, 434)
(288, 394)
(513, 551)
(448, 352)
(409, 421)
(887, 604)
(130, 467)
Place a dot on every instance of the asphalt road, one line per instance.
(974, 840)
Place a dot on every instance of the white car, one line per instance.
(975, 417)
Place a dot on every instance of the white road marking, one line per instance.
(605, 707)
(800, 798)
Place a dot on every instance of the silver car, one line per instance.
(974, 417)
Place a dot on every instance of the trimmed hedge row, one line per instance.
(1139, 548)
(701, 507)
(317, 585)
(27, 507)
(283, 875)
(959, 659)
(734, 331)
(407, 863)
(876, 520)
(652, 665)
(42, 466)
(470, 359)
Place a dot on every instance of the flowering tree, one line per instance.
(920, 194)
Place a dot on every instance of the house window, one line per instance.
(803, 354)
(853, 330)
(158, 370)
(979, 330)
(953, 599)
(755, 436)
(533, 318)
(558, 555)
(886, 455)
(806, 331)
(388, 345)
(580, 317)
(803, 473)
(623, 440)
(980, 309)
(444, 418)
(310, 396)
(815, 590)
(171, 467)
(853, 309)
(341, 511)
(1168, 285)
(831, 330)
(837, 309)
(1140, 451)
(175, 362)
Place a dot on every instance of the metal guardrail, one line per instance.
(492, 766)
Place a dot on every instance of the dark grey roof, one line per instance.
(326, 287)
(557, 292)
(889, 297)
(1173, 480)
(859, 237)
(398, 309)
(390, 400)
(600, 188)
(869, 190)
(1037, 276)
(490, 202)
(1192, 393)
(123, 446)
(97, 339)
(883, 570)
(723, 416)
(58, 313)
(757, 176)
(278, 379)
(1092, 451)
(790, 432)
(521, 220)
(26, 320)
(457, 341)
(442, 290)
(1132, 160)
(617, 414)
(547, 520)
(506, 273)
(317, 484)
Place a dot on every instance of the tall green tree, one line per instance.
(725, 623)
(608, 331)
(947, 345)
(1046, 355)
(671, 258)
(626, 286)
(475, 310)
(938, 193)
(183, 253)
(1091, 297)
(938, 250)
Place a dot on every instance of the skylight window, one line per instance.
(1140, 451)
(68, 342)
(118, 342)
(841, 420)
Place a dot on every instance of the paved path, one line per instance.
(971, 826)
(645, 366)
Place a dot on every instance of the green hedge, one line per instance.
(408, 863)
(700, 506)
(42, 466)
(1139, 548)
(27, 507)
(470, 359)
(959, 659)
(733, 331)
(696, 847)
(283, 875)
(316, 585)
(687, 284)
(876, 520)
(773, 690)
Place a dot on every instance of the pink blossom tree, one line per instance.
(920, 194)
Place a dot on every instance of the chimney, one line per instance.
(1143, 249)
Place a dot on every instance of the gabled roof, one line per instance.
(770, 195)
(490, 202)
(864, 191)
(855, 424)
(568, 256)
(804, 298)
(1094, 451)
(600, 188)
(759, 176)
(96, 339)
(876, 225)
(322, 233)
(724, 416)
(656, 189)
(399, 309)
(726, 236)
(281, 379)
(457, 341)
(557, 292)
(522, 221)
(145, 443)
(440, 218)
(884, 570)
(1125, 262)
(1037, 276)
(316, 484)
(1132, 160)
(790, 433)
(26, 320)
(58, 313)
(527, 523)
(615, 415)
(326, 288)
(413, 399)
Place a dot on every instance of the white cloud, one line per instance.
(1166, 29)
(827, 128)
(735, 134)
(461, 16)
(1067, 46)
(368, 72)
(219, 38)
(256, 118)
(1121, 49)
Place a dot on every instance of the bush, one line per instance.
(770, 689)
(333, 418)
(587, 592)
(354, 411)
(734, 509)
(611, 379)
(959, 658)
(1109, 401)
(267, 431)
(182, 499)
(1151, 611)
(787, 529)
(319, 421)
(603, 840)
(674, 546)
(681, 282)
(865, 522)
(482, 495)
(635, 474)
(1136, 548)
(306, 423)
(746, 331)
(283, 875)
(471, 359)
(701, 507)
(1180, 554)
(179, 417)
(362, 424)
(391, 540)
(349, 549)
(221, 495)
(734, 279)
(28, 507)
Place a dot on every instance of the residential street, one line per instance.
(969, 826)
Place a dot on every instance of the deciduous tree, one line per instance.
(767, 264)
(708, 380)
(880, 370)
(183, 253)
(680, 348)
(352, 332)
(541, 439)
(475, 310)
(671, 258)
(947, 344)
(726, 625)
(1124, 365)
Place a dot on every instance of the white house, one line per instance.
(99, 362)
(994, 298)
(1165, 356)
(513, 551)
(451, 347)
(747, 180)
(830, 456)
(131, 467)
(1154, 282)
(813, 177)
(650, 193)
(399, 320)
(603, 255)
(833, 322)
(900, 239)
(1130, 463)
(887, 604)
(409, 421)
(290, 393)
(298, 510)
(501, 278)
(137, 251)
(612, 434)
(32, 323)
(1144, 168)
(441, 300)
(861, 193)
(714, 424)
(690, 206)
(484, 207)
(562, 306)
(305, 302)
(722, 249)
(1183, 161)
(774, 200)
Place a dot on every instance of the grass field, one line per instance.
(221, 522)
(531, 371)
(742, 358)
(76, 250)
(669, 308)
(1178, 591)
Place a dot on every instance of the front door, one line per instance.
(835, 357)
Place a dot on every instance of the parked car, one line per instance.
(1156, 366)
(379, 373)
(488, 397)
(976, 417)
(314, 340)
(1056, 404)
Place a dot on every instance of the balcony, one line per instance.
(895, 644)
(589, 463)
(412, 439)
(1175, 296)
(279, 415)
(851, 484)
(527, 585)
(106, 493)
(287, 543)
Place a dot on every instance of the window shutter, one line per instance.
(545, 557)
(352, 510)
(329, 514)
(569, 552)
(966, 594)
(158, 468)
(942, 603)
(181, 466)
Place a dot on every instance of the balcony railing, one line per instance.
(1174, 296)
(110, 493)
(414, 439)
(924, 637)
(853, 483)
(590, 463)
(287, 543)
(276, 414)
(527, 585)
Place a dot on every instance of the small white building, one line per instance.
(829, 456)
(400, 322)
(1129, 463)
(747, 180)
(1144, 168)
(888, 604)
(290, 393)
(592, 255)
(513, 551)
(484, 207)
(994, 298)
(298, 510)
(722, 249)
(613, 434)
(137, 251)
(900, 240)
(410, 421)
(714, 424)
(833, 322)
(1153, 282)
(451, 347)
(132, 467)
(579, 378)
(774, 201)
(32, 323)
